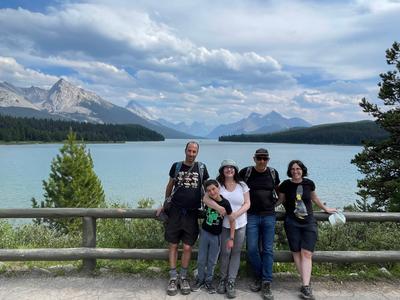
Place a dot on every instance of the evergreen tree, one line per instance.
(380, 161)
(72, 183)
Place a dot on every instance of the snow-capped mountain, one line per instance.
(67, 101)
(35, 94)
(139, 109)
(10, 98)
(257, 123)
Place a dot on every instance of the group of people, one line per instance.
(239, 206)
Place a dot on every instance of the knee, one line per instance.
(268, 250)
(173, 247)
(252, 249)
(306, 254)
(235, 250)
(187, 248)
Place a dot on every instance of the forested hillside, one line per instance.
(349, 133)
(13, 129)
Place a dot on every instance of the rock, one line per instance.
(104, 270)
(40, 271)
(154, 269)
(62, 269)
(385, 271)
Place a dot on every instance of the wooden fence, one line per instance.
(89, 253)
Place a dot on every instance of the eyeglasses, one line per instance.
(229, 168)
(262, 158)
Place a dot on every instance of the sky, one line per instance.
(210, 61)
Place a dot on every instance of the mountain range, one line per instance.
(256, 123)
(66, 101)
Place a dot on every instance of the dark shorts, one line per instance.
(301, 235)
(182, 226)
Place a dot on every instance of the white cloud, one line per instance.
(215, 60)
(18, 75)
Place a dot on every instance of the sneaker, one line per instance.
(306, 292)
(172, 288)
(255, 286)
(266, 291)
(184, 286)
(210, 288)
(221, 289)
(197, 285)
(230, 289)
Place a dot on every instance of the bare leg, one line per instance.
(297, 262)
(173, 255)
(187, 252)
(306, 266)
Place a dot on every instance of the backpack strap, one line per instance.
(248, 173)
(272, 171)
(201, 167)
(273, 175)
(177, 168)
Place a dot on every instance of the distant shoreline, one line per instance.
(316, 144)
(62, 142)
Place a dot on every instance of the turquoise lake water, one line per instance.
(135, 170)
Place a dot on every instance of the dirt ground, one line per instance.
(32, 285)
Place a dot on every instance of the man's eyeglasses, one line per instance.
(259, 158)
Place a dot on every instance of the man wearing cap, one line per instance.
(263, 182)
(185, 189)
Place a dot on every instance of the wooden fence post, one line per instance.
(89, 241)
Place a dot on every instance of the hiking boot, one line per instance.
(255, 286)
(197, 285)
(172, 288)
(306, 292)
(221, 289)
(266, 291)
(184, 286)
(210, 288)
(230, 289)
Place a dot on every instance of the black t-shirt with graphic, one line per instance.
(213, 221)
(187, 186)
(289, 188)
(261, 186)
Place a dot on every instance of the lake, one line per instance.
(134, 170)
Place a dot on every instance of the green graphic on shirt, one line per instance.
(212, 217)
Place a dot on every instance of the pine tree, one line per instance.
(380, 161)
(72, 183)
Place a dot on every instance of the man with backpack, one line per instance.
(263, 182)
(183, 201)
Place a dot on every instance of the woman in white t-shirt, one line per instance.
(237, 193)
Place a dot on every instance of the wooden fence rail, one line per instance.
(89, 253)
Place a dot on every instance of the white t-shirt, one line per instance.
(236, 199)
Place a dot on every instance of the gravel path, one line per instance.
(31, 285)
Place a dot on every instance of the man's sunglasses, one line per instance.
(262, 158)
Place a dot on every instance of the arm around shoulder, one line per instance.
(214, 205)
